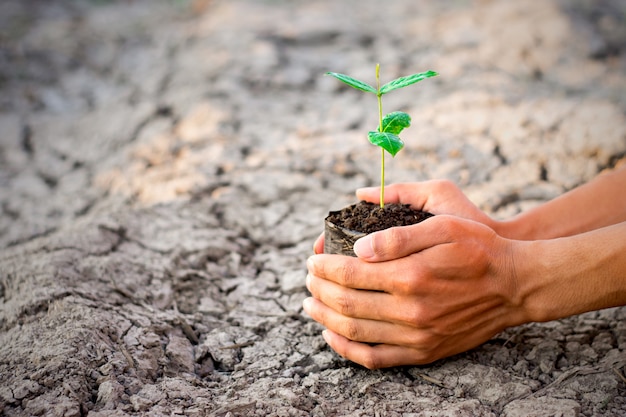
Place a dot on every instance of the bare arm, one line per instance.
(431, 290)
(598, 203)
(571, 275)
(428, 291)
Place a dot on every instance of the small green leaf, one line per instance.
(405, 81)
(352, 82)
(395, 122)
(388, 141)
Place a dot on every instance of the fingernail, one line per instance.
(326, 336)
(306, 304)
(308, 281)
(363, 247)
(310, 263)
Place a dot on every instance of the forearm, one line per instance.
(572, 275)
(599, 203)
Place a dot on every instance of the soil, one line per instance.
(165, 167)
(368, 217)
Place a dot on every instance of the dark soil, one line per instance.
(368, 217)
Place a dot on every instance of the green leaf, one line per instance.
(405, 81)
(352, 82)
(395, 122)
(388, 141)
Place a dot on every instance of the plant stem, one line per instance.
(382, 178)
(380, 129)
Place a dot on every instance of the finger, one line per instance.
(435, 196)
(374, 357)
(398, 242)
(353, 273)
(360, 330)
(415, 193)
(364, 330)
(372, 305)
(318, 246)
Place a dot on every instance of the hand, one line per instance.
(436, 197)
(417, 293)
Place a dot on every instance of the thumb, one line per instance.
(398, 242)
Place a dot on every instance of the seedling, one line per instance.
(389, 127)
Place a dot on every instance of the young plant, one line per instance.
(389, 127)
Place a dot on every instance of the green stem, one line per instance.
(380, 129)
(382, 178)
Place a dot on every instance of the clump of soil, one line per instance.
(368, 217)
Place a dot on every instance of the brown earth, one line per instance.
(369, 217)
(342, 228)
(166, 166)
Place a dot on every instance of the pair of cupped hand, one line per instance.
(417, 293)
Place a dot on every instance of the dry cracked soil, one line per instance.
(166, 165)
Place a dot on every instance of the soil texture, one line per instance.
(165, 167)
(368, 217)
(344, 227)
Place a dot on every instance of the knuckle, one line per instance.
(424, 357)
(447, 185)
(346, 274)
(402, 286)
(371, 361)
(345, 304)
(423, 342)
(394, 238)
(448, 227)
(421, 317)
(413, 284)
(416, 317)
(351, 330)
(387, 242)
(441, 186)
(404, 281)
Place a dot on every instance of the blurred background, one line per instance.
(165, 167)
(151, 100)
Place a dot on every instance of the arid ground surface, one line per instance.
(166, 166)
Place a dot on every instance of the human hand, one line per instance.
(436, 197)
(416, 293)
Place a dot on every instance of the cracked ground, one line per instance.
(165, 167)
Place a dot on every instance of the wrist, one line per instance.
(525, 226)
(514, 228)
(557, 278)
(536, 269)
